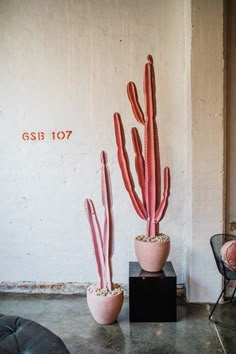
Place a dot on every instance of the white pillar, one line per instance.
(206, 158)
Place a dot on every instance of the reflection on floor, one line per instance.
(68, 316)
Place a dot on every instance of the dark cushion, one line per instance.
(21, 336)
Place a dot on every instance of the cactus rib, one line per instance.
(108, 221)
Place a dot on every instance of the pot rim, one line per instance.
(155, 241)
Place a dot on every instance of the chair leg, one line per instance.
(233, 294)
(214, 307)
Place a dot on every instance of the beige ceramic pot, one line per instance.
(152, 256)
(104, 309)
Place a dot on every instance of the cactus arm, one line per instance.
(151, 150)
(97, 239)
(124, 166)
(108, 220)
(160, 213)
(133, 98)
(149, 89)
(139, 161)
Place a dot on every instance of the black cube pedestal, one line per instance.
(152, 296)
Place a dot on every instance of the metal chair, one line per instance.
(216, 243)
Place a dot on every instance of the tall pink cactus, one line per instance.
(151, 206)
(103, 243)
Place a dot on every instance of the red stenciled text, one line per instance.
(40, 136)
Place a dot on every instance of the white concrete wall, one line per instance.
(64, 65)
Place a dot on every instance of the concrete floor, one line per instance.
(68, 317)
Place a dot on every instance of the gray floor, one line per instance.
(68, 316)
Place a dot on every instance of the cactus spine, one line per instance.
(151, 207)
(103, 243)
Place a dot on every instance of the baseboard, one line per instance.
(31, 287)
(69, 288)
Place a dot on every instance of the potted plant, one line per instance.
(104, 299)
(152, 249)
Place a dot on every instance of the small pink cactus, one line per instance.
(150, 207)
(103, 244)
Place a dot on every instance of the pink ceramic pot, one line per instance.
(152, 256)
(104, 309)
